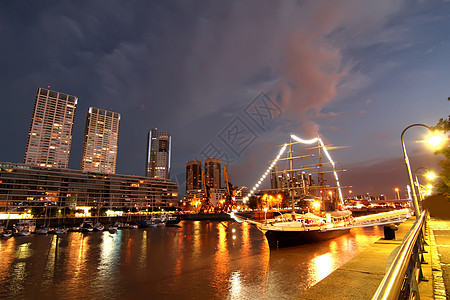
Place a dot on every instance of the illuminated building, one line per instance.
(50, 134)
(212, 173)
(275, 179)
(193, 175)
(158, 154)
(25, 186)
(100, 141)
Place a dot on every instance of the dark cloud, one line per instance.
(191, 67)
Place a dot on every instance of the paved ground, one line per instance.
(361, 276)
(441, 231)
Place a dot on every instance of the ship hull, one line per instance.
(280, 239)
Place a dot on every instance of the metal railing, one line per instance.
(402, 279)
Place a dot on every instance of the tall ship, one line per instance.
(311, 183)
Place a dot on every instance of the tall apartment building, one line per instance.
(50, 134)
(213, 173)
(193, 175)
(100, 141)
(158, 154)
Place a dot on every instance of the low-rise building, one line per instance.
(23, 185)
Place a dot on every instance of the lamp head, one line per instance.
(436, 139)
(430, 175)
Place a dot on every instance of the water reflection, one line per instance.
(197, 260)
(7, 255)
(322, 265)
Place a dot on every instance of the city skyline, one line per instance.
(357, 73)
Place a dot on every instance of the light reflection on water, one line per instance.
(197, 260)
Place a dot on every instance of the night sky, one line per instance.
(232, 79)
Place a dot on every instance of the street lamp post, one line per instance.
(430, 175)
(408, 167)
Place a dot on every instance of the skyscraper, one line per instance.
(275, 180)
(193, 175)
(158, 154)
(100, 141)
(212, 173)
(50, 135)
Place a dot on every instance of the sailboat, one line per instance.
(6, 233)
(323, 217)
(44, 229)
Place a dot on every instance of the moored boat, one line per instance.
(6, 233)
(171, 220)
(25, 227)
(111, 228)
(86, 226)
(99, 226)
(60, 230)
(130, 225)
(42, 230)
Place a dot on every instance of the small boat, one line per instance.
(61, 230)
(111, 228)
(24, 232)
(25, 227)
(152, 222)
(171, 220)
(42, 230)
(86, 226)
(7, 233)
(119, 225)
(130, 225)
(74, 229)
(99, 226)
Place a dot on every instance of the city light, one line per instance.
(436, 139)
(252, 191)
(430, 175)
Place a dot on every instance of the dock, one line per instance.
(360, 277)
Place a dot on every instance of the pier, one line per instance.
(360, 277)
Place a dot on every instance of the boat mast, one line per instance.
(291, 167)
(321, 180)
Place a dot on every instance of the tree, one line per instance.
(254, 202)
(443, 185)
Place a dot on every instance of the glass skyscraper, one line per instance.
(158, 154)
(193, 175)
(213, 173)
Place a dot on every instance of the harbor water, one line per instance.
(195, 260)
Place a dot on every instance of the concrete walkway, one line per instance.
(360, 277)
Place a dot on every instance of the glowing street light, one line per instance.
(430, 175)
(398, 195)
(435, 140)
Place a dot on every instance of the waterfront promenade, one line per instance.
(360, 277)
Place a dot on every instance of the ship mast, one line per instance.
(321, 180)
(291, 167)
